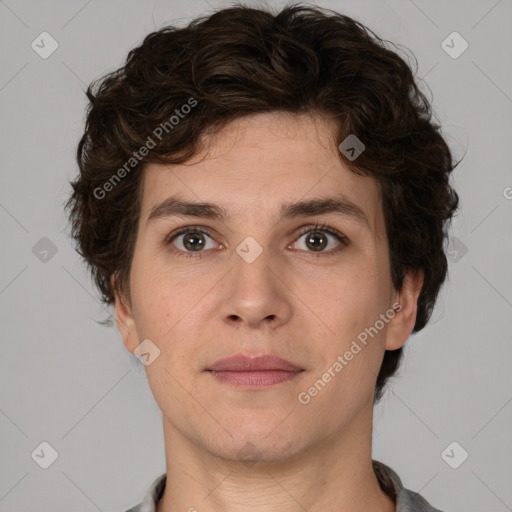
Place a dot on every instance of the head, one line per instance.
(246, 109)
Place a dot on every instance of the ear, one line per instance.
(124, 317)
(405, 306)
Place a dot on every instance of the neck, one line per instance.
(335, 474)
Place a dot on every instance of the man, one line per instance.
(263, 197)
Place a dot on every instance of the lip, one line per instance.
(254, 379)
(244, 363)
(246, 372)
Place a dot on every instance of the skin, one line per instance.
(288, 302)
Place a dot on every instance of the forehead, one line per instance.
(260, 163)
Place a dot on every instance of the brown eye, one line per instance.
(317, 239)
(189, 240)
(193, 241)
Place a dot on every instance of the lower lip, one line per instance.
(254, 379)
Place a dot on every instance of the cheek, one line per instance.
(156, 292)
(350, 305)
(169, 311)
(155, 305)
(350, 296)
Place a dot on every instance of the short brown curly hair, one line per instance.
(242, 60)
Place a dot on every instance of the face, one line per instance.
(268, 278)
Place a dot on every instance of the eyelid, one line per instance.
(185, 229)
(324, 227)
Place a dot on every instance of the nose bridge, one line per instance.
(252, 266)
(253, 293)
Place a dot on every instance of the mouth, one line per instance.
(253, 372)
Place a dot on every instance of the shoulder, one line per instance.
(152, 495)
(406, 500)
(409, 501)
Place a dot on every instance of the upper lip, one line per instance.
(242, 362)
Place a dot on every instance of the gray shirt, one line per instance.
(406, 501)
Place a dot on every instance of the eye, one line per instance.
(192, 244)
(317, 239)
(192, 241)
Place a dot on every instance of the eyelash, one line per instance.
(308, 229)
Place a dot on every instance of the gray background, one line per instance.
(69, 382)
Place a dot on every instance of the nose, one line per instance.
(255, 294)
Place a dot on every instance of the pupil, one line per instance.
(313, 236)
(191, 237)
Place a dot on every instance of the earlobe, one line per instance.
(406, 307)
(124, 317)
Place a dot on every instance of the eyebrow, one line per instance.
(177, 207)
